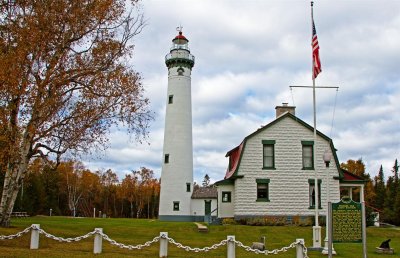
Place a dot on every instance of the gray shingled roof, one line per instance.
(208, 192)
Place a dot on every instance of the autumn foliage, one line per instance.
(381, 195)
(73, 190)
(64, 82)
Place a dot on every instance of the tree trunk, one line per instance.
(131, 209)
(12, 182)
(148, 208)
(115, 207)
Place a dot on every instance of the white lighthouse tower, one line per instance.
(177, 163)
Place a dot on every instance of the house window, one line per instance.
(187, 187)
(176, 206)
(226, 196)
(262, 190)
(311, 197)
(166, 158)
(170, 99)
(308, 153)
(268, 154)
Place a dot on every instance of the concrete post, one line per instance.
(316, 236)
(230, 247)
(163, 245)
(299, 248)
(98, 242)
(35, 237)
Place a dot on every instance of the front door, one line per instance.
(207, 207)
(207, 211)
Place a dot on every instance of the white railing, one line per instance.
(188, 56)
(230, 242)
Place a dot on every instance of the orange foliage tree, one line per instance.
(64, 81)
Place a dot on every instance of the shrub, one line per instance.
(228, 221)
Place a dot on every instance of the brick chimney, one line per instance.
(284, 108)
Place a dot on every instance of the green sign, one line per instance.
(346, 221)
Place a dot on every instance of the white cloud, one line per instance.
(248, 53)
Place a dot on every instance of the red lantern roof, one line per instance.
(180, 36)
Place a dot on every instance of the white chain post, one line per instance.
(299, 248)
(98, 241)
(230, 246)
(163, 244)
(35, 236)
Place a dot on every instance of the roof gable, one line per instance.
(348, 177)
(231, 172)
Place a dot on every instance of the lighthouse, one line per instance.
(177, 160)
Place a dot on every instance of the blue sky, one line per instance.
(248, 53)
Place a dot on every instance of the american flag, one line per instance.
(315, 50)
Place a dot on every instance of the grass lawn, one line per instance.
(138, 231)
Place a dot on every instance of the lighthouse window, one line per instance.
(187, 187)
(176, 206)
(180, 71)
(170, 99)
(166, 158)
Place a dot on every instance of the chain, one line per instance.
(155, 240)
(130, 247)
(275, 251)
(61, 239)
(195, 249)
(304, 248)
(19, 234)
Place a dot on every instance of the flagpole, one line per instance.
(316, 228)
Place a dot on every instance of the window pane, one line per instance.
(307, 162)
(268, 156)
(268, 150)
(262, 191)
(307, 156)
(268, 162)
(176, 206)
(312, 196)
(226, 196)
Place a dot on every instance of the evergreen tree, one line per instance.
(206, 181)
(50, 179)
(390, 195)
(397, 209)
(380, 189)
(396, 206)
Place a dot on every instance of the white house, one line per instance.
(272, 171)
